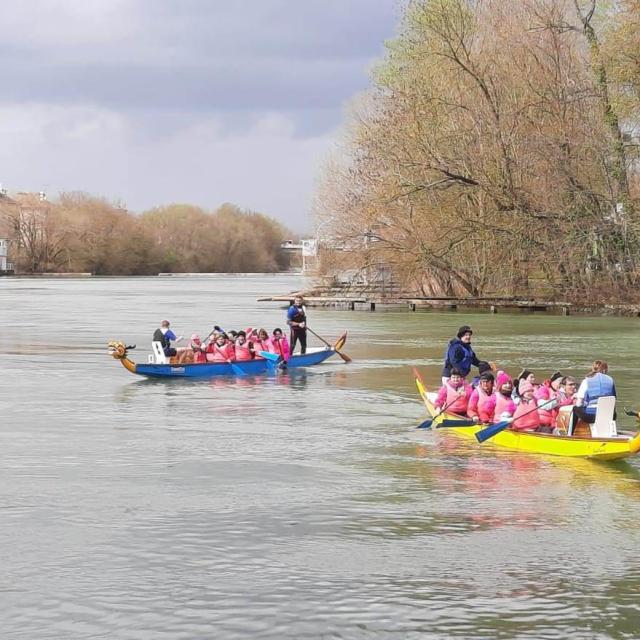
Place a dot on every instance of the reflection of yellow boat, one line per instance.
(570, 446)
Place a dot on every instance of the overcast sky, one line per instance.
(204, 101)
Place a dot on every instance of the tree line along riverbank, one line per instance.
(78, 233)
(495, 154)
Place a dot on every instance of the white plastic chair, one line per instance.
(158, 352)
(604, 425)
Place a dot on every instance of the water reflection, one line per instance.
(296, 380)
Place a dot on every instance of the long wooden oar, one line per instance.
(344, 356)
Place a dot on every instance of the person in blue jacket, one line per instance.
(164, 336)
(596, 384)
(459, 354)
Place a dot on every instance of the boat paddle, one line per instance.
(215, 328)
(267, 355)
(344, 356)
(494, 429)
(446, 422)
(234, 367)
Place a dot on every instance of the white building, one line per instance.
(4, 265)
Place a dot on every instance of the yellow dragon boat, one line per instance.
(616, 448)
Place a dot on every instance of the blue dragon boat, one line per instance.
(255, 367)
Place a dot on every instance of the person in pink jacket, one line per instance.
(546, 394)
(482, 402)
(505, 406)
(220, 350)
(241, 348)
(454, 394)
(526, 416)
(280, 344)
(197, 349)
(259, 341)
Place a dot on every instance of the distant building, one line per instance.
(5, 267)
(307, 249)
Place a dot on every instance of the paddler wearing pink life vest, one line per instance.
(241, 347)
(526, 417)
(454, 394)
(505, 406)
(220, 350)
(197, 349)
(258, 341)
(546, 395)
(279, 344)
(482, 402)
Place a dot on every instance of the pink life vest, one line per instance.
(482, 405)
(281, 347)
(526, 417)
(242, 352)
(504, 405)
(217, 353)
(546, 413)
(455, 401)
(259, 345)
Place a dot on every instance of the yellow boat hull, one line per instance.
(568, 446)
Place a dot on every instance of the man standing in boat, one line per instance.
(297, 321)
(459, 354)
(164, 336)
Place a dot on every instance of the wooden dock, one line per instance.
(357, 303)
(488, 304)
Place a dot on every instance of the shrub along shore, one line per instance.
(78, 233)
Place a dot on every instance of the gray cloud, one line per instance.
(147, 77)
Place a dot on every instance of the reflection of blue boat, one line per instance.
(210, 369)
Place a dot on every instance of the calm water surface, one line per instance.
(299, 506)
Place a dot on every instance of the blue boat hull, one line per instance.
(213, 369)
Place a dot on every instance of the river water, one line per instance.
(299, 506)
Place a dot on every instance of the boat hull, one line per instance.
(541, 443)
(214, 369)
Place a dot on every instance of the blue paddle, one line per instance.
(234, 367)
(274, 357)
(274, 361)
(493, 429)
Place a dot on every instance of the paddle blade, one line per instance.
(267, 355)
(344, 356)
(456, 423)
(237, 370)
(491, 430)
(426, 424)
(340, 342)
